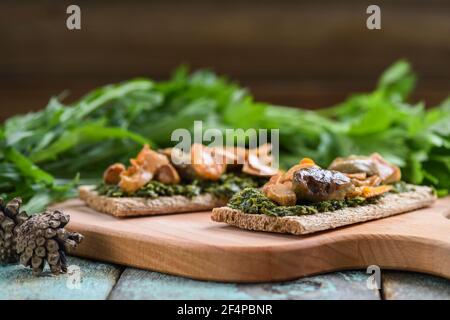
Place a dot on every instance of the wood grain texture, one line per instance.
(144, 285)
(97, 280)
(192, 245)
(414, 286)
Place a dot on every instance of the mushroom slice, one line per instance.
(371, 181)
(388, 173)
(370, 192)
(373, 165)
(134, 178)
(166, 151)
(282, 194)
(354, 164)
(203, 163)
(222, 155)
(358, 176)
(112, 174)
(167, 174)
(230, 155)
(259, 162)
(142, 169)
(276, 178)
(150, 160)
(263, 151)
(258, 167)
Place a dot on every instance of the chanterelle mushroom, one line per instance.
(112, 174)
(259, 162)
(230, 155)
(370, 192)
(211, 163)
(280, 193)
(134, 178)
(204, 164)
(143, 168)
(150, 160)
(167, 174)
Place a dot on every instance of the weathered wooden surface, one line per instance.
(104, 281)
(96, 282)
(145, 285)
(414, 286)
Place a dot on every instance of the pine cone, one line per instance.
(43, 238)
(10, 219)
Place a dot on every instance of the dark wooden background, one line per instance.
(309, 54)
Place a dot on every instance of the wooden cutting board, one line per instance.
(192, 245)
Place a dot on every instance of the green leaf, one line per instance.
(398, 79)
(27, 168)
(104, 95)
(378, 118)
(83, 135)
(38, 202)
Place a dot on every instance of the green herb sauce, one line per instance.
(402, 186)
(225, 187)
(252, 200)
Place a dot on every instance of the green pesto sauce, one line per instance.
(402, 186)
(254, 201)
(225, 187)
(251, 200)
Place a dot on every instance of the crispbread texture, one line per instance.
(134, 206)
(388, 205)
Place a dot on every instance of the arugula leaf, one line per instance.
(91, 133)
(27, 168)
(398, 80)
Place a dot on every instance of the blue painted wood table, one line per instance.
(94, 280)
